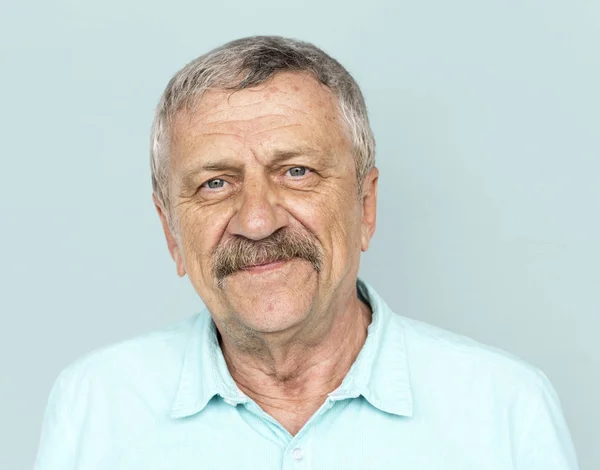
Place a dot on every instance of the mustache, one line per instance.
(284, 244)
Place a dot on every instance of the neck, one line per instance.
(290, 379)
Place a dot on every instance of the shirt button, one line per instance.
(297, 453)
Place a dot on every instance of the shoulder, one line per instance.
(133, 363)
(113, 393)
(154, 347)
(435, 354)
(490, 390)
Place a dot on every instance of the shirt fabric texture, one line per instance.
(416, 398)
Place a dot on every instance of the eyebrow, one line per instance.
(280, 156)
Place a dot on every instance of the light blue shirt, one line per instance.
(416, 398)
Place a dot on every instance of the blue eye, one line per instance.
(215, 184)
(298, 171)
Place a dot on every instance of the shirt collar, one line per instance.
(380, 372)
(204, 373)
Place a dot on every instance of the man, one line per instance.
(265, 184)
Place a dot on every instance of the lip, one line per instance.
(265, 267)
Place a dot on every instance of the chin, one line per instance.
(272, 299)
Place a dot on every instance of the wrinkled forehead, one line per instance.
(290, 108)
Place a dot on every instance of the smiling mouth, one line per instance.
(270, 266)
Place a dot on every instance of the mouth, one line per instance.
(259, 268)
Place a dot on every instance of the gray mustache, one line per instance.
(283, 245)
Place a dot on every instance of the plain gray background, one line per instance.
(487, 119)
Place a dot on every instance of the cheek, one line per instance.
(201, 231)
(334, 217)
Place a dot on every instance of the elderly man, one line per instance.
(265, 185)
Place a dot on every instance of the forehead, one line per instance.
(290, 109)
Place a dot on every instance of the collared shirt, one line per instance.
(416, 398)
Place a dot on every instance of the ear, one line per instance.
(369, 207)
(170, 236)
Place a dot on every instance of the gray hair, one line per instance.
(248, 62)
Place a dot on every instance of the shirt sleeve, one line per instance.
(58, 443)
(545, 443)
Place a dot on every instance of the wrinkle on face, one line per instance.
(249, 138)
(243, 115)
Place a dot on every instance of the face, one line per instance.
(268, 223)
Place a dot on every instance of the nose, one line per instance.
(259, 213)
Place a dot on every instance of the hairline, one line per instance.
(187, 87)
